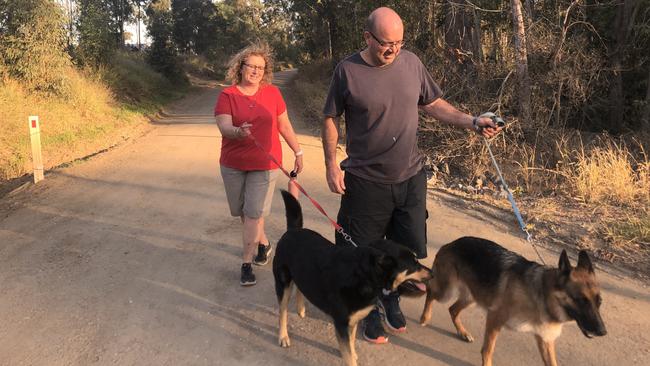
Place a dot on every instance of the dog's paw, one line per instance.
(424, 320)
(466, 337)
(284, 342)
(301, 313)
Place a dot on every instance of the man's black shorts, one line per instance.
(371, 211)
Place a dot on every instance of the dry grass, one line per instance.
(310, 87)
(605, 174)
(633, 230)
(67, 125)
(87, 119)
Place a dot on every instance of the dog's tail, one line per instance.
(294, 212)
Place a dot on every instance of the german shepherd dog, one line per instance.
(517, 293)
(343, 282)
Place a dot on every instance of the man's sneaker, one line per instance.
(262, 256)
(247, 276)
(389, 306)
(373, 330)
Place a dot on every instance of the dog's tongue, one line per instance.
(421, 286)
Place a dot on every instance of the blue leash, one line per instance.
(498, 121)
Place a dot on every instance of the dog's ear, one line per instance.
(584, 262)
(564, 265)
(564, 271)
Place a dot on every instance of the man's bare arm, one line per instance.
(330, 137)
(444, 112)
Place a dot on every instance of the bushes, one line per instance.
(134, 81)
(32, 40)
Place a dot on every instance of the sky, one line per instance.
(133, 29)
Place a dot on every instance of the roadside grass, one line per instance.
(310, 87)
(102, 108)
(136, 85)
(607, 174)
(633, 231)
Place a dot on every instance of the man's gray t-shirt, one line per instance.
(381, 115)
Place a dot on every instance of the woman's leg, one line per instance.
(253, 230)
(263, 239)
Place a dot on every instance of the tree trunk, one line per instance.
(522, 62)
(616, 96)
(431, 23)
(530, 10)
(459, 34)
(478, 44)
(645, 118)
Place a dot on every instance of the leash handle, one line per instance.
(498, 121)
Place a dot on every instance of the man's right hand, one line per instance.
(335, 179)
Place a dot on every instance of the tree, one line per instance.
(194, 26)
(121, 12)
(622, 27)
(32, 44)
(162, 55)
(521, 56)
(98, 34)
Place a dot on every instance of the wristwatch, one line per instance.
(475, 124)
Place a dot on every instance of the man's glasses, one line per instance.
(384, 44)
(258, 68)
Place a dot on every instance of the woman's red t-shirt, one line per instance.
(261, 110)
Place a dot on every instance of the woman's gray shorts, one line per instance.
(249, 192)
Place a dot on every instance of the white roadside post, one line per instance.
(35, 136)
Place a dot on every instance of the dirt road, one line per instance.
(132, 258)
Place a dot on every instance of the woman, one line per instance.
(251, 114)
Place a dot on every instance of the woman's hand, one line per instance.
(244, 130)
(297, 164)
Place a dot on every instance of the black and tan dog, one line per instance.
(343, 282)
(517, 293)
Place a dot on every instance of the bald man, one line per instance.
(381, 89)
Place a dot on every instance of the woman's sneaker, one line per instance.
(262, 256)
(247, 276)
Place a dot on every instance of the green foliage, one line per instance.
(194, 25)
(32, 39)
(162, 55)
(135, 82)
(98, 38)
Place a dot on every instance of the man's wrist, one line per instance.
(299, 153)
(475, 125)
(330, 162)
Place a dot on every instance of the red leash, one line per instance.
(292, 175)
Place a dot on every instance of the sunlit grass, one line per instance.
(606, 174)
(99, 105)
(632, 230)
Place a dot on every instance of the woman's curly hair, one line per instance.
(237, 62)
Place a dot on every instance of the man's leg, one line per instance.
(407, 227)
(364, 214)
(365, 211)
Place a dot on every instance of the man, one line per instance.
(380, 89)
